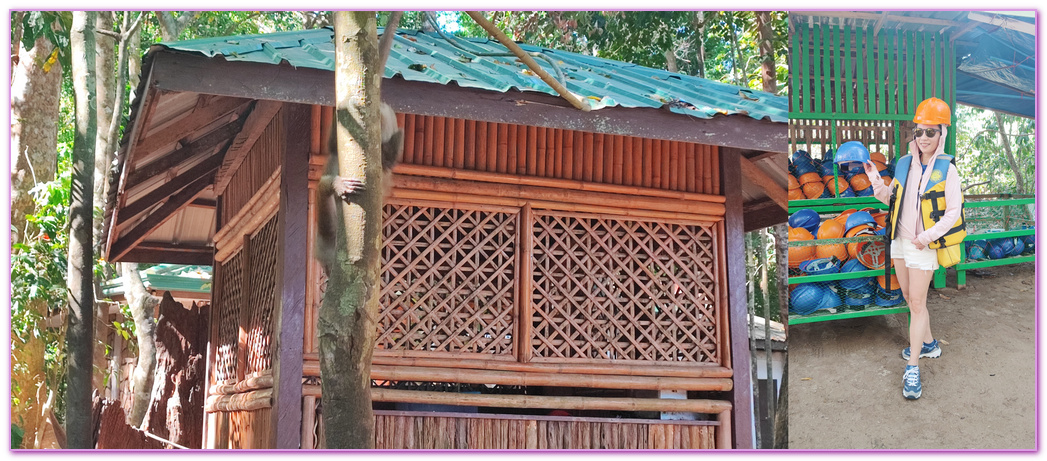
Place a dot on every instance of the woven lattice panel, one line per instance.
(229, 302)
(611, 289)
(447, 280)
(259, 325)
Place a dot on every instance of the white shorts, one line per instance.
(925, 259)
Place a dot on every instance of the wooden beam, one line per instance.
(257, 121)
(1004, 22)
(879, 23)
(159, 216)
(187, 72)
(755, 175)
(955, 39)
(510, 378)
(198, 119)
(292, 266)
(542, 401)
(202, 144)
(737, 317)
(147, 253)
(207, 166)
(763, 213)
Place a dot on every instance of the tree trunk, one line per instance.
(171, 26)
(105, 89)
(670, 61)
(781, 251)
(16, 40)
(700, 21)
(35, 93)
(738, 65)
(176, 407)
(347, 325)
(765, 34)
(141, 304)
(80, 334)
(1020, 180)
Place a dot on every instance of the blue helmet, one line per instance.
(1019, 247)
(1006, 246)
(887, 298)
(976, 251)
(852, 151)
(805, 218)
(858, 284)
(805, 298)
(820, 266)
(858, 218)
(830, 300)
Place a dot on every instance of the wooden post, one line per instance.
(292, 266)
(734, 234)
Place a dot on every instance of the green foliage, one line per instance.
(55, 25)
(16, 436)
(981, 158)
(644, 37)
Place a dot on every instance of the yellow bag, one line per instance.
(949, 256)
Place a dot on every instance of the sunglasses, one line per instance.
(930, 132)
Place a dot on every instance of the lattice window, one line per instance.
(231, 300)
(448, 280)
(259, 324)
(613, 289)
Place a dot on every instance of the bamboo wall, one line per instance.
(260, 163)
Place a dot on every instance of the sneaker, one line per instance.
(911, 387)
(929, 350)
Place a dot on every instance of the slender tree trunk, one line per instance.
(348, 318)
(700, 22)
(670, 61)
(781, 251)
(738, 66)
(16, 40)
(35, 95)
(105, 89)
(1006, 140)
(765, 34)
(142, 305)
(80, 335)
(171, 26)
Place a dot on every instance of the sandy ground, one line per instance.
(846, 375)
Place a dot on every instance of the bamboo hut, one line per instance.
(547, 273)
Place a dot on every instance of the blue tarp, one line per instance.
(996, 69)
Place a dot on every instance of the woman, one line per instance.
(914, 262)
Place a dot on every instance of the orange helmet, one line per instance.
(860, 182)
(831, 229)
(881, 218)
(932, 111)
(796, 194)
(854, 249)
(798, 255)
(894, 282)
(876, 156)
(808, 178)
(813, 189)
(880, 166)
(834, 187)
(793, 183)
(887, 180)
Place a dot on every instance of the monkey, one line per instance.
(331, 185)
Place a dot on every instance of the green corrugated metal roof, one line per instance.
(423, 57)
(167, 277)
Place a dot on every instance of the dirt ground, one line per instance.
(845, 376)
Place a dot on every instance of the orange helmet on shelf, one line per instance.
(834, 187)
(894, 282)
(808, 178)
(860, 182)
(813, 190)
(796, 194)
(793, 183)
(878, 157)
(798, 255)
(932, 111)
(831, 229)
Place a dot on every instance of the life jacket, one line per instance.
(932, 202)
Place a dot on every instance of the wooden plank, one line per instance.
(736, 297)
(200, 117)
(525, 305)
(254, 126)
(598, 157)
(205, 167)
(755, 175)
(618, 160)
(848, 74)
(292, 266)
(512, 141)
(470, 144)
(124, 244)
(401, 373)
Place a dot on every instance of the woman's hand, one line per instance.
(870, 169)
(916, 241)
